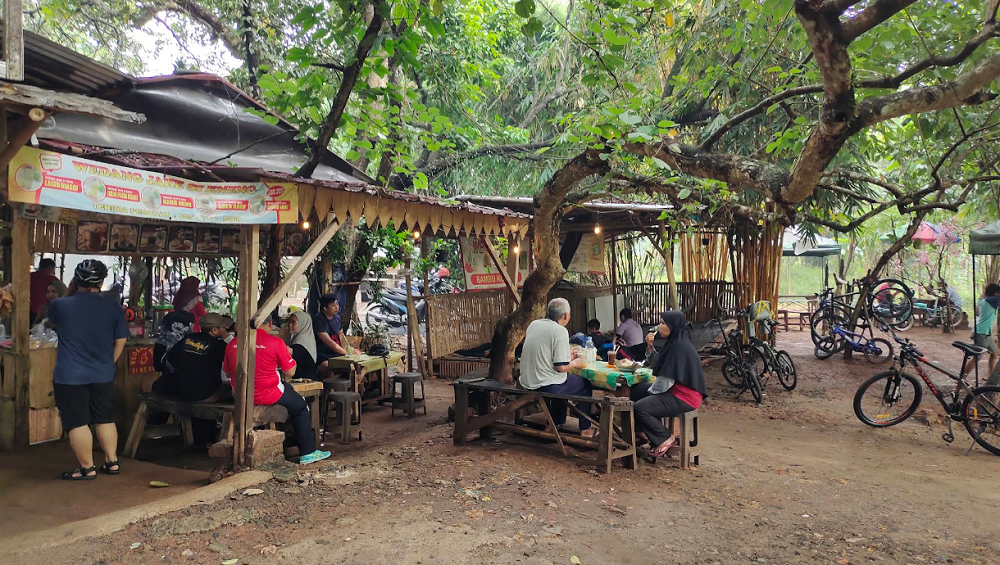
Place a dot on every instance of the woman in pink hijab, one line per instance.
(188, 299)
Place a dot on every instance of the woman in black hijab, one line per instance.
(679, 386)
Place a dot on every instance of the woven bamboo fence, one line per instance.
(48, 237)
(700, 301)
(756, 257)
(704, 256)
(460, 321)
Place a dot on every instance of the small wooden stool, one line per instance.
(687, 439)
(607, 450)
(407, 401)
(347, 406)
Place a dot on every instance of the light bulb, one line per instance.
(517, 249)
(305, 225)
(416, 234)
(597, 228)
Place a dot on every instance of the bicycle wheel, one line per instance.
(822, 321)
(878, 351)
(754, 358)
(981, 410)
(753, 383)
(732, 374)
(786, 370)
(827, 347)
(890, 302)
(954, 315)
(890, 390)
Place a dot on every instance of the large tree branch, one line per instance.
(350, 77)
(964, 90)
(736, 170)
(758, 109)
(220, 30)
(870, 17)
(822, 27)
(444, 164)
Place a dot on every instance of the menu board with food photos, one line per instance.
(66, 181)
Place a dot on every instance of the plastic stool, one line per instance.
(408, 402)
(331, 385)
(348, 410)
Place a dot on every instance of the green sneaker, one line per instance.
(313, 457)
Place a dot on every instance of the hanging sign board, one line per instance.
(54, 179)
(589, 257)
(480, 272)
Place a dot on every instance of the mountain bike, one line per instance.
(736, 370)
(896, 390)
(761, 354)
(889, 302)
(876, 349)
(938, 313)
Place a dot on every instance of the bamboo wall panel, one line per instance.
(756, 257)
(48, 237)
(704, 256)
(460, 321)
(700, 301)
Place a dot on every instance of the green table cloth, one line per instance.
(608, 378)
(367, 363)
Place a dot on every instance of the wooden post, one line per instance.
(13, 40)
(412, 322)
(318, 245)
(614, 282)
(668, 259)
(429, 357)
(15, 400)
(495, 258)
(512, 258)
(246, 343)
(25, 128)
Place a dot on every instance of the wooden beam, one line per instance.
(21, 275)
(25, 128)
(512, 258)
(413, 322)
(511, 286)
(288, 284)
(614, 284)
(246, 343)
(13, 40)
(425, 252)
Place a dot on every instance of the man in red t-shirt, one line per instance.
(40, 281)
(271, 355)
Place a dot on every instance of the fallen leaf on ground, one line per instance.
(269, 550)
(135, 545)
(253, 492)
(574, 560)
(231, 561)
(158, 484)
(843, 561)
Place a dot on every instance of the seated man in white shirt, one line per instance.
(546, 363)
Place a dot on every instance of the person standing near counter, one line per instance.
(40, 281)
(92, 332)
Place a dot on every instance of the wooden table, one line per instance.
(607, 378)
(311, 391)
(359, 365)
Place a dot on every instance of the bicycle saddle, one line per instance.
(969, 349)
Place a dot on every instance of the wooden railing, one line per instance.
(700, 301)
(459, 321)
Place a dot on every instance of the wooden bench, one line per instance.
(615, 442)
(183, 412)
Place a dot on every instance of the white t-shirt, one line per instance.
(546, 345)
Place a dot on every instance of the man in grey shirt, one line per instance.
(630, 335)
(546, 363)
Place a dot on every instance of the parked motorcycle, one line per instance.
(390, 309)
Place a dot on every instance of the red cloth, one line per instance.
(272, 354)
(198, 311)
(39, 283)
(686, 394)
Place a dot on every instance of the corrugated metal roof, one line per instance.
(50, 65)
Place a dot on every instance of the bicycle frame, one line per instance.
(853, 339)
(917, 360)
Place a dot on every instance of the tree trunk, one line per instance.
(363, 256)
(272, 273)
(874, 274)
(250, 57)
(549, 269)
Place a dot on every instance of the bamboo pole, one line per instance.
(424, 252)
(412, 322)
(246, 342)
(614, 283)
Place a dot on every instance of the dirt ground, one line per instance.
(797, 479)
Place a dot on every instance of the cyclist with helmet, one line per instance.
(92, 332)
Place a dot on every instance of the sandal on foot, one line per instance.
(80, 474)
(663, 448)
(107, 468)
